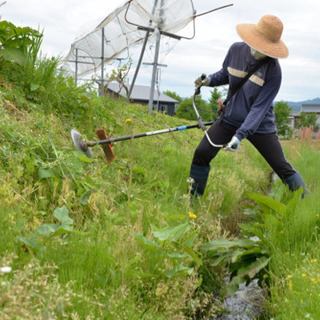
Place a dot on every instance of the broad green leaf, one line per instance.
(238, 254)
(234, 284)
(179, 270)
(190, 238)
(253, 230)
(177, 255)
(30, 242)
(252, 269)
(223, 244)
(145, 242)
(13, 55)
(34, 86)
(47, 229)
(172, 233)
(62, 214)
(82, 157)
(222, 258)
(193, 255)
(269, 202)
(45, 173)
(62, 230)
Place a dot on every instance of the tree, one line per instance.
(173, 95)
(308, 120)
(119, 75)
(216, 95)
(282, 113)
(186, 111)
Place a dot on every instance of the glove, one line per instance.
(233, 145)
(203, 80)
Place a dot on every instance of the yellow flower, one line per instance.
(192, 215)
(313, 260)
(289, 276)
(128, 122)
(304, 275)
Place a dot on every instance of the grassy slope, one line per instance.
(107, 274)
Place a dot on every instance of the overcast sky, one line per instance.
(62, 20)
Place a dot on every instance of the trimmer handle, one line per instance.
(203, 76)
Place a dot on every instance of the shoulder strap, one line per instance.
(232, 91)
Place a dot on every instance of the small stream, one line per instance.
(245, 304)
(248, 302)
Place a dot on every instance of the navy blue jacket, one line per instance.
(251, 107)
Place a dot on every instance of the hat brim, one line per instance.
(251, 36)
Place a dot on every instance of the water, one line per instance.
(245, 304)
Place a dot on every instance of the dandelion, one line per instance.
(190, 180)
(289, 276)
(192, 215)
(304, 275)
(313, 260)
(128, 122)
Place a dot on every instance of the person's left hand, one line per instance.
(233, 145)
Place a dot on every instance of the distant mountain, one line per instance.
(296, 106)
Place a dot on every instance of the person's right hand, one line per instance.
(203, 80)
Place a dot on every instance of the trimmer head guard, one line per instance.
(107, 149)
(81, 144)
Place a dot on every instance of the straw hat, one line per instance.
(265, 36)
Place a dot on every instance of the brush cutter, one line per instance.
(106, 143)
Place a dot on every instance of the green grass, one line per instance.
(295, 248)
(134, 251)
(143, 190)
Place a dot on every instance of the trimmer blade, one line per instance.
(80, 143)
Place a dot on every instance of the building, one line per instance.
(307, 108)
(141, 94)
(312, 108)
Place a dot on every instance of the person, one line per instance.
(249, 112)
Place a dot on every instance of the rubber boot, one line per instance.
(295, 181)
(199, 174)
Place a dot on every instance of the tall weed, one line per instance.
(294, 268)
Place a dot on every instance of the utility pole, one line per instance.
(102, 62)
(76, 69)
(154, 70)
(142, 51)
